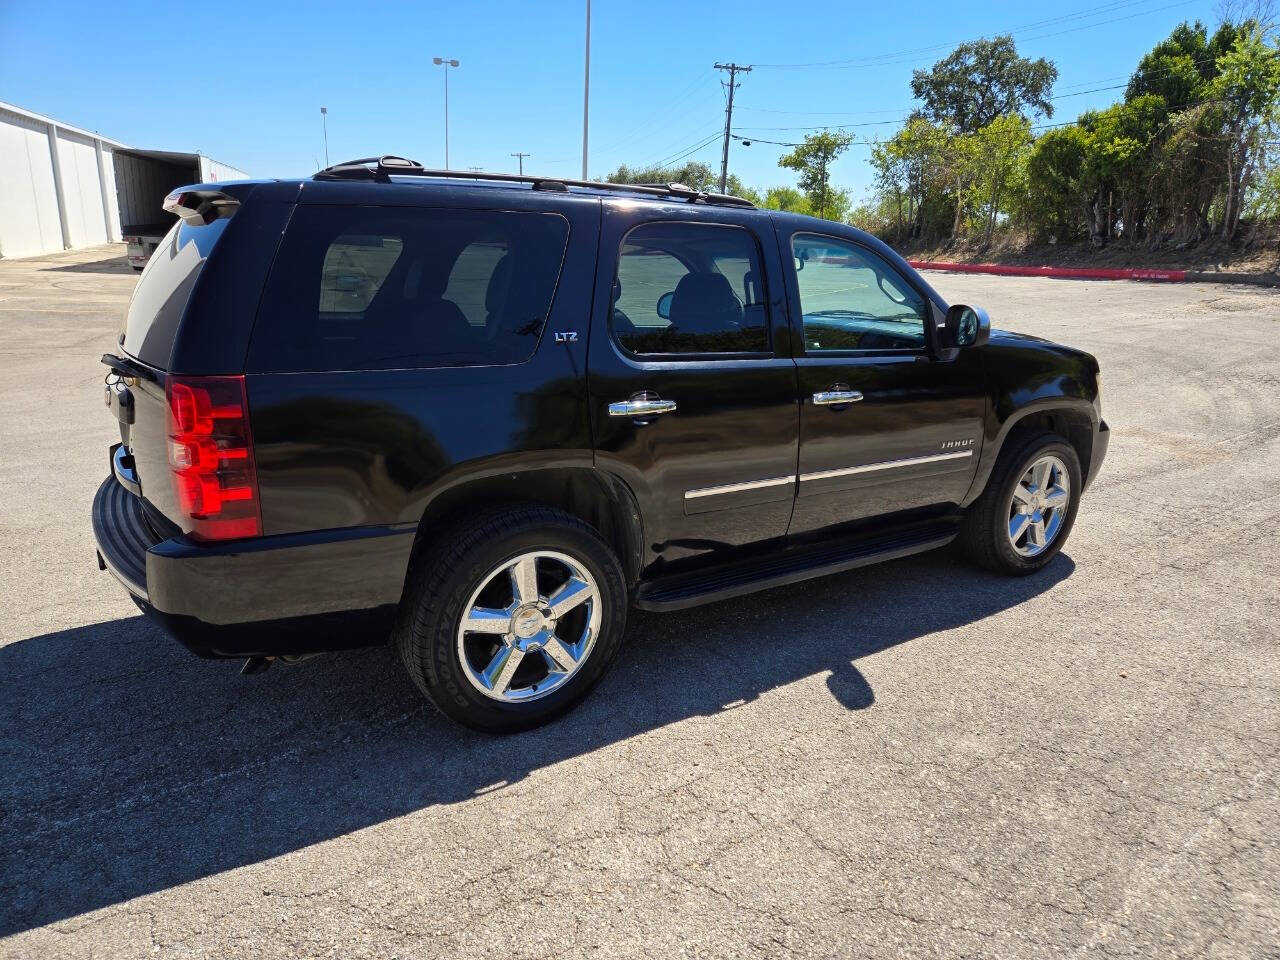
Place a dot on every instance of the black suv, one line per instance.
(483, 415)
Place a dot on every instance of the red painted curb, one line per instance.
(1066, 273)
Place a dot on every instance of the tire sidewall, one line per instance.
(446, 677)
(1008, 556)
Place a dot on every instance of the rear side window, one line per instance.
(689, 288)
(369, 288)
(160, 299)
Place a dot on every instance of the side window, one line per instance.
(689, 288)
(368, 288)
(354, 267)
(852, 299)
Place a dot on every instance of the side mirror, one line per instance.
(664, 305)
(967, 326)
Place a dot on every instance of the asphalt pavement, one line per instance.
(911, 760)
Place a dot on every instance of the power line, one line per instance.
(734, 69)
(521, 157)
(696, 148)
(715, 135)
(885, 59)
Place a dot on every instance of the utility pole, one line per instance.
(521, 157)
(734, 70)
(586, 91)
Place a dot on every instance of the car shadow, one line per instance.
(118, 264)
(132, 767)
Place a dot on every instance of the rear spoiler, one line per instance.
(200, 206)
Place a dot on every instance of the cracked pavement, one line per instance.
(911, 760)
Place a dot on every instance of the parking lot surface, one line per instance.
(910, 760)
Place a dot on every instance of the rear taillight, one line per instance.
(211, 457)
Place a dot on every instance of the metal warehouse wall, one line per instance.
(58, 184)
(29, 221)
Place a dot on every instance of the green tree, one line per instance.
(691, 174)
(983, 80)
(788, 199)
(699, 176)
(998, 155)
(812, 160)
(1056, 182)
(915, 168)
(1178, 67)
(1246, 93)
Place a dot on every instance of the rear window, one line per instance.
(160, 299)
(368, 288)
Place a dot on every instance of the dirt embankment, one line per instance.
(1260, 257)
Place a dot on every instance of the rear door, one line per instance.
(692, 386)
(888, 424)
(136, 392)
(190, 313)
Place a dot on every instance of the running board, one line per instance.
(790, 566)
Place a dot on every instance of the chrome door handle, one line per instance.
(641, 408)
(832, 398)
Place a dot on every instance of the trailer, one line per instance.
(143, 179)
(63, 187)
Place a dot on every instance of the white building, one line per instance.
(62, 187)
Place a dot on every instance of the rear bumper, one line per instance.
(298, 593)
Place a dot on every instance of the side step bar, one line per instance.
(790, 566)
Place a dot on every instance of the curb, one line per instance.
(1145, 274)
(1065, 273)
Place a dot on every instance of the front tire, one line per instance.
(1023, 518)
(512, 618)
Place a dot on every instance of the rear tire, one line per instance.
(547, 599)
(1025, 514)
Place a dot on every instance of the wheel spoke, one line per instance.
(1035, 534)
(1040, 474)
(1057, 497)
(573, 593)
(1017, 524)
(487, 620)
(1021, 494)
(524, 579)
(560, 655)
(497, 676)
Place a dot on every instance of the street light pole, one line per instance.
(324, 119)
(586, 92)
(446, 63)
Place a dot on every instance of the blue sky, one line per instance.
(243, 83)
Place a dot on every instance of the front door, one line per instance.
(887, 425)
(693, 390)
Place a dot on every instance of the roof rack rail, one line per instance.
(382, 169)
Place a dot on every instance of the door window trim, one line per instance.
(929, 320)
(771, 347)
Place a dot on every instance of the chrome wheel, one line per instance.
(1038, 506)
(529, 626)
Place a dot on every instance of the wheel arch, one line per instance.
(1072, 418)
(599, 499)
